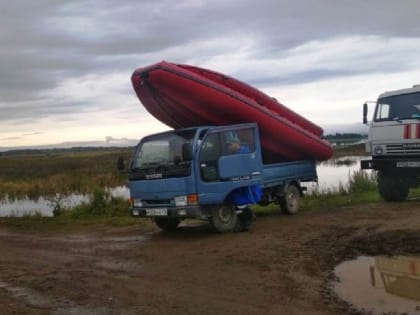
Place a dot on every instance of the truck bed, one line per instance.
(281, 173)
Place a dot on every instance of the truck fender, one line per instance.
(245, 195)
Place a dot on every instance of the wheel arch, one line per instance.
(244, 195)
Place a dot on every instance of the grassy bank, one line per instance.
(64, 172)
(101, 208)
(47, 173)
(356, 149)
(105, 208)
(360, 189)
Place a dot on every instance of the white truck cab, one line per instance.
(394, 142)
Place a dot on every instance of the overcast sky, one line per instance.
(66, 65)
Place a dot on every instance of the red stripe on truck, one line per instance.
(406, 131)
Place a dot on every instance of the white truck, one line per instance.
(394, 142)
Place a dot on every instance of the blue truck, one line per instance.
(212, 173)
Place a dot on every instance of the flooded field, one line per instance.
(337, 171)
(45, 205)
(331, 174)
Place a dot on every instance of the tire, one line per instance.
(224, 218)
(290, 202)
(392, 187)
(167, 224)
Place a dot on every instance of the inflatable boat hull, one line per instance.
(184, 96)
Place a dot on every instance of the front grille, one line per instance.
(158, 202)
(399, 149)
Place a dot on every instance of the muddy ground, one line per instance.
(281, 266)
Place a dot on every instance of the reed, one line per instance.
(361, 188)
(101, 204)
(46, 174)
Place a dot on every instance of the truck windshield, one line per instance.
(162, 155)
(398, 107)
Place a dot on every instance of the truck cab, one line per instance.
(394, 142)
(210, 173)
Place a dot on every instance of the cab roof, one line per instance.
(414, 89)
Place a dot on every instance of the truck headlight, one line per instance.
(378, 150)
(188, 200)
(180, 201)
(136, 202)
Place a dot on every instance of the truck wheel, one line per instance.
(392, 187)
(224, 218)
(290, 202)
(167, 224)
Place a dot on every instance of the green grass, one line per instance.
(101, 204)
(46, 174)
(361, 189)
(63, 223)
(356, 149)
(57, 174)
(102, 208)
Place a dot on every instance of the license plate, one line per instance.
(408, 164)
(157, 212)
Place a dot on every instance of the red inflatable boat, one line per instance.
(186, 96)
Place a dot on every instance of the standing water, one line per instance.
(336, 172)
(45, 206)
(331, 174)
(380, 285)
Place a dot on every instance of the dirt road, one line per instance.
(281, 266)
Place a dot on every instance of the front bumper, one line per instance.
(195, 212)
(412, 165)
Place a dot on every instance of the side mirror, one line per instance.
(120, 163)
(365, 112)
(187, 152)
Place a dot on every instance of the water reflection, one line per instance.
(380, 284)
(336, 172)
(45, 205)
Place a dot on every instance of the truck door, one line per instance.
(229, 158)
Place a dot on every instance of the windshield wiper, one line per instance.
(397, 119)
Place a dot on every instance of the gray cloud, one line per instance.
(45, 42)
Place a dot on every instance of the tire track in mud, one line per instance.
(56, 259)
(282, 265)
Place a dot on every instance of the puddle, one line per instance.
(380, 285)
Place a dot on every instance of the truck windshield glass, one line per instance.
(397, 107)
(163, 153)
